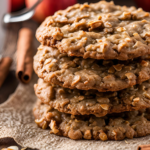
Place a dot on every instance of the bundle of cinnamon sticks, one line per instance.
(24, 58)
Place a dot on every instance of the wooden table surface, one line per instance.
(8, 39)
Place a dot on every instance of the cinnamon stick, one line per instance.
(5, 64)
(143, 147)
(24, 55)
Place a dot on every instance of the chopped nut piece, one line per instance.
(53, 127)
(75, 134)
(44, 125)
(144, 21)
(111, 70)
(105, 106)
(133, 126)
(131, 97)
(81, 98)
(125, 16)
(38, 121)
(130, 76)
(84, 6)
(103, 136)
(143, 87)
(144, 63)
(87, 135)
(95, 24)
(118, 67)
(147, 95)
(99, 17)
(61, 91)
(103, 100)
(146, 14)
(76, 80)
(114, 132)
(49, 116)
(120, 29)
(137, 99)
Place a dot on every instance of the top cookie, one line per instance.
(100, 31)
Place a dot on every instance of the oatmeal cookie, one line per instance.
(79, 102)
(100, 31)
(85, 74)
(111, 127)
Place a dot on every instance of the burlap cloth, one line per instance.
(17, 121)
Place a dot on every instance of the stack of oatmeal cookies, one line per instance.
(94, 72)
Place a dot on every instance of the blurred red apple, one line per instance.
(145, 4)
(16, 5)
(48, 7)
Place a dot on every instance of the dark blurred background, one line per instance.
(118, 2)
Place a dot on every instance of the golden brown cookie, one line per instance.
(111, 127)
(100, 31)
(79, 102)
(85, 74)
